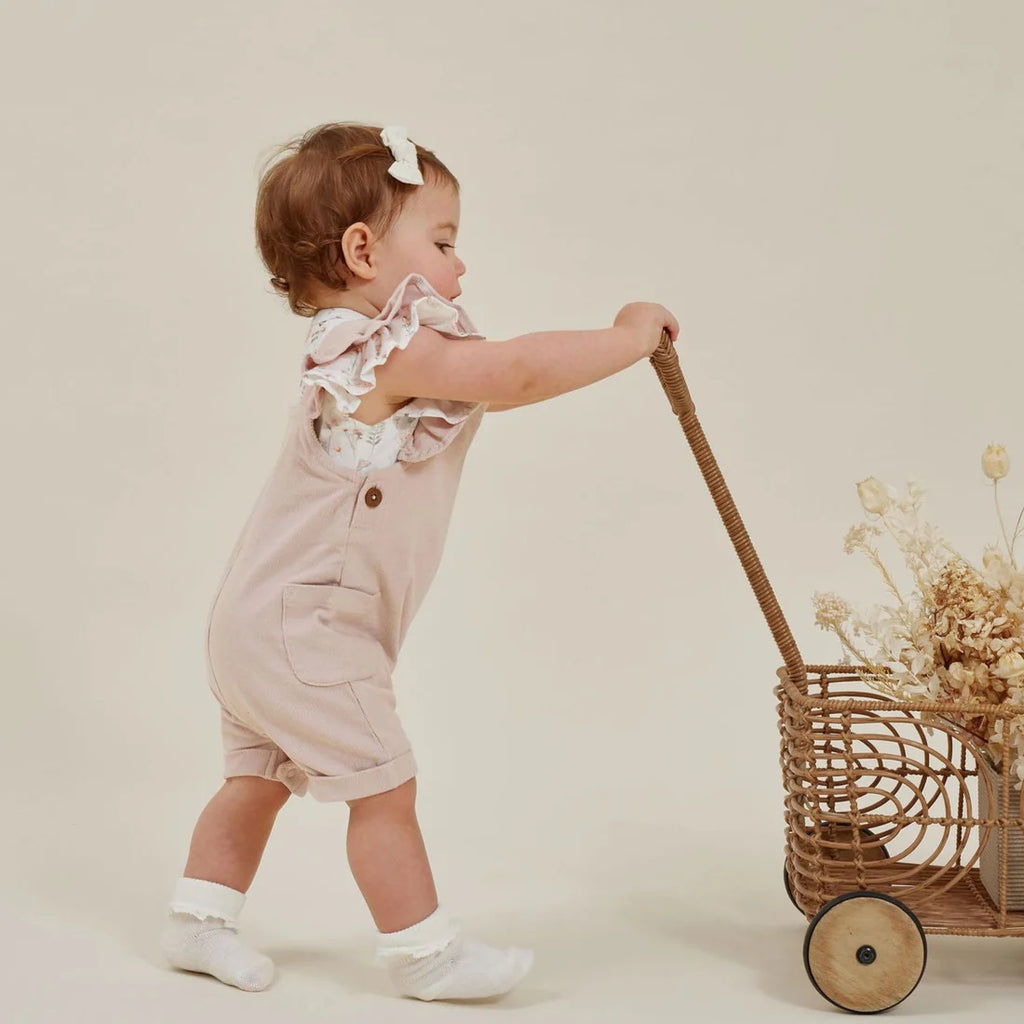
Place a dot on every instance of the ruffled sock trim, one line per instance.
(424, 938)
(204, 899)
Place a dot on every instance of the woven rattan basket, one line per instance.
(895, 824)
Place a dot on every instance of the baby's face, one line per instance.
(422, 240)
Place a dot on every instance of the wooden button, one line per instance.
(374, 497)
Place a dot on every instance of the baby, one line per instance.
(357, 226)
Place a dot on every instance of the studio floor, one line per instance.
(637, 922)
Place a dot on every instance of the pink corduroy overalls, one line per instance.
(317, 596)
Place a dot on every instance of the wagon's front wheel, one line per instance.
(865, 952)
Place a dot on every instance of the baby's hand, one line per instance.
(648, 320)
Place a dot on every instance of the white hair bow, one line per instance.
(405, 168)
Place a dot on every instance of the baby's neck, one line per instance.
(326, 298)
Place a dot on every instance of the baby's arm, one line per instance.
(502, 406)
(523, 370)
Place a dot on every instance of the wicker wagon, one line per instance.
(896, 826)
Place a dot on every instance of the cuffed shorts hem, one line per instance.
(266, 764)
(368, 782)
(274, 765)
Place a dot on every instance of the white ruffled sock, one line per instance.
(433, 960)
(200, 934)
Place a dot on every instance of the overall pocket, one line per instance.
(328, 633)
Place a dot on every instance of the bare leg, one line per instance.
(200, 933)
(389, 859)
(428, 957)
(232, 832)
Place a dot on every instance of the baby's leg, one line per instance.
(232, 832)
(388, 858)
(200, 931)
(427, 955)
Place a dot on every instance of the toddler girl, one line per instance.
(357, 225)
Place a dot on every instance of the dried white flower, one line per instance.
(958, 637)
(874, 495)
(831, 611)
(857, 536)
(1010, 667)
(995, 462)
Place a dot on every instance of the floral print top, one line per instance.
(342, 348)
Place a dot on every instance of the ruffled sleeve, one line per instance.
(344, 347)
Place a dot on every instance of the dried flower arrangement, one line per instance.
(959, 636)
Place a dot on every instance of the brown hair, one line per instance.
(332, 176)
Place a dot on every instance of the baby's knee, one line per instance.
(397, 802)
(254, 789)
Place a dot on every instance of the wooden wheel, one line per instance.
(865, 952)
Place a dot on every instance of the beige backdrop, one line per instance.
(828, 197)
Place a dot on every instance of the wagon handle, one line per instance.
(665, 361)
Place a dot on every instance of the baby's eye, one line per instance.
(445, 245)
